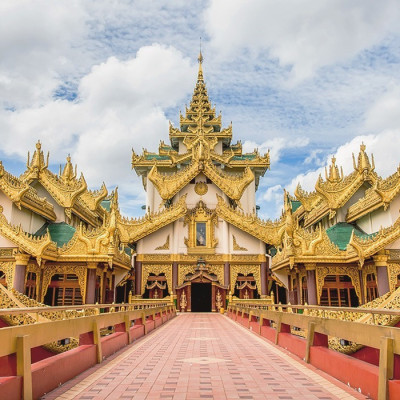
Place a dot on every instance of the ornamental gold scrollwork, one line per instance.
(368, 269)
(393, 272)
(236, 246)
(9, 270)
(51, 270)
(218, 270)
(157, 269)
(244, 269)
(352, 272)
(183, 270)
(165, 246)
(34, 268)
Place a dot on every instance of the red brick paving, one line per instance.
(202, 356)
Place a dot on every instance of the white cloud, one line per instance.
(302, 34)
(385, 112)
(120, 105)
(39, 43)
(276, 146)
(384, 147)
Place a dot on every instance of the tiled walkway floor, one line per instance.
(203, 356)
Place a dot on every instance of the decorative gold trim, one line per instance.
(393, 270)
(236, 246)
(244, 269)
(352, 272)
(51, 270)
(201, 188)
(9, 270)
(156, 269)
(165, 246)
(201, 214)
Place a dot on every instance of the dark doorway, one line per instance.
(201, 297)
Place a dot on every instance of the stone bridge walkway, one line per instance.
(203, 356)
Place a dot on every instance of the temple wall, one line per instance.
(7, 204)
(30, 221)
(373, 221)
(59, 211)
(244, 240)
(158, 239)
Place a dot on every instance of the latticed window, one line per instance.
(338, 291)
(371, 288)
(30, 287)
(64, 290)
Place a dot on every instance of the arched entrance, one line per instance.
(201, 291)
(201, 297)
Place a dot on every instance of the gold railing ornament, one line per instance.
(218, 302)
(183, 302)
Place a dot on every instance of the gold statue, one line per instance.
(183, 303)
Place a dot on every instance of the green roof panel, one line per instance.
(61, 233)
(340, 234)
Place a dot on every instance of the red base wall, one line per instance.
(349, 370)
(49, 373)
(294, 344)
(11, 388)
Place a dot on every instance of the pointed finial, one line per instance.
(200, 60)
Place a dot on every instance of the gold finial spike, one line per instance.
(200, 60)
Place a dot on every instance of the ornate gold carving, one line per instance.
(201, 188)
(267, 231)
(336, 190)
(183, 270)
(218, 270)
(33, 245)
(393, 271)
(352, 272)
(9, 270)
(165, 246)
(244, 269)
(157, 269)
(131, 230)
(236, 246)
(368, 246)
(201, 214)
(50, 271)
(200, 132)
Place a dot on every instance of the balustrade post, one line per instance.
(310, 340)
(97, 342)
(278, 328)
(386, 363)
(128, 326)
(24, 366)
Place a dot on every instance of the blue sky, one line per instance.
(304, 78)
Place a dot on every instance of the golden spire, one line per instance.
(68, 174)
(200, 60)
(334, 175)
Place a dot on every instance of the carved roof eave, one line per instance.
(21, 194)
(380, 195)
(289, 262)
(64, 194)
(266, 231)
(93, 198)
(132, 230)
(169, 185)
(35, 246)
(97, 245)
(83, 212)
(366, 247)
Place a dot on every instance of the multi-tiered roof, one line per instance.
(201, 145)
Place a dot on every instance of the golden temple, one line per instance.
(200, 242)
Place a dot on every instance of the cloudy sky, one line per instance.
(307, 79)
